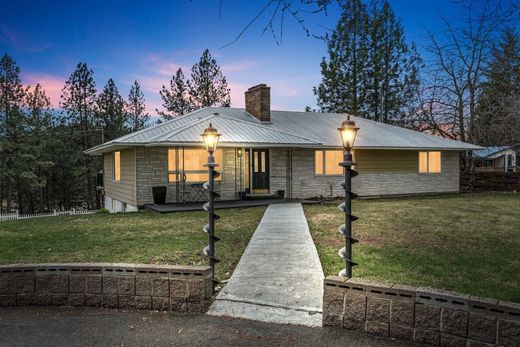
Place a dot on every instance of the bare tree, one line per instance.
(459, 57)
(277, 12)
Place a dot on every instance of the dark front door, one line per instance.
(260, 165)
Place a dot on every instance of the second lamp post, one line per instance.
(348, 131)
(211, 137)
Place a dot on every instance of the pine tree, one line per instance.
(207, 86)
(393, 70)
(371, 71)
(12, 129)
(111, 112)
(35, 158)
(343, 86)
(78, 100)
(498, 120)
(136, 109)
(176, 100)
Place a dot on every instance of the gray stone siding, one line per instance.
(306, 184)
(152, 170)
(279, 176)
(423, 315)
(292, 170)
(182, 289)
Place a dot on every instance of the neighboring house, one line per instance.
(497, 159)
(263, 151)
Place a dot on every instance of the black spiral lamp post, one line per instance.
(348, 131)
(211, 137)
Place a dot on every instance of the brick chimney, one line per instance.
(258, 102)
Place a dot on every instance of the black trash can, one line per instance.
(159, 195)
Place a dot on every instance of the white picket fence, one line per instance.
(16, 215)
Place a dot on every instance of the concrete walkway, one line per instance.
(279, 278)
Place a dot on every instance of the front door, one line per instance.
(260, 168)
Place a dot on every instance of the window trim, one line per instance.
(428, 172)
(114, 165)
(324, 164)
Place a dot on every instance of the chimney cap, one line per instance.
(261, 85)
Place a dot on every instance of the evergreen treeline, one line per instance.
(42, 163)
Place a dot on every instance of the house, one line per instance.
(263, 151)
(497, 159)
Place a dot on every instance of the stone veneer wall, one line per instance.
(306, 184)
(419, 314)
(180, 289)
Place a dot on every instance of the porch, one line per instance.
(197, 206)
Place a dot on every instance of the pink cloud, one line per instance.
(237, 94)
(52, 84)
(19, 42)
(157, 64)
(238, 66)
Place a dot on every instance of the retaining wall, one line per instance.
(420, 314)
(180, 289)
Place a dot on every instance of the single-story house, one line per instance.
(497, 159)
(263, 151)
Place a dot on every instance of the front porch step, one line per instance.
(265, 196)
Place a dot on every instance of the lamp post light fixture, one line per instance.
(240, 154)
(348, 131)
(211, 138)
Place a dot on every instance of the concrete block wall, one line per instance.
(306, 184)
(424, 315)
(183, 289)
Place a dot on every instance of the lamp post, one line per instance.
(348, 131)
(211, 137)
(239, 155)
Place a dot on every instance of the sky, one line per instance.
(148, 41)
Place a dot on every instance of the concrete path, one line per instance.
(279, 278)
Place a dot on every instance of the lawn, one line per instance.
(466, 243)
(147, 237)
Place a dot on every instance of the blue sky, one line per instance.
(148, 40)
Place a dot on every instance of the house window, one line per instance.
(187, 164)
(429, 162)
(117, 166)
(326, 162)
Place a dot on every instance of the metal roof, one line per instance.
(287, 128)
(487, 151)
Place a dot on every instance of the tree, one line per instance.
(497, 120)
(207, 86)
(12, 129)
(459, 59)
(371, 71)
(111, 112)
(392, 72)
(35, 158)
(136, 109)
(79, 102)
(342, 87)
(176, 100)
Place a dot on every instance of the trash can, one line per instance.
(159, 195)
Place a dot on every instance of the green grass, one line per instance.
(148, 237)
(466, 243)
